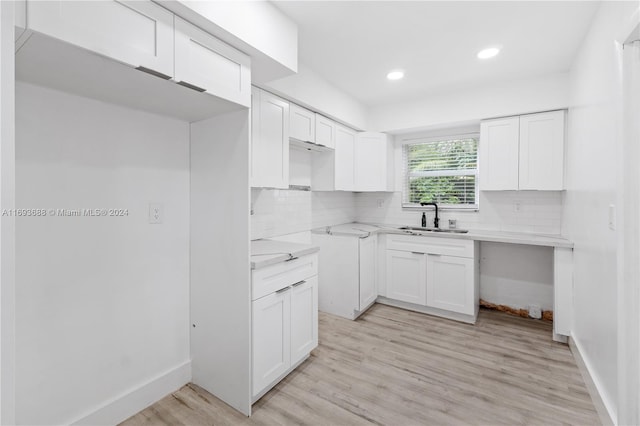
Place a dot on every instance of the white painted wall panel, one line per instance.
(516, 275)
(7, 201)
(220, 268)
(102, 303)
(594, 139)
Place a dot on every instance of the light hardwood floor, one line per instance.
(395, 367)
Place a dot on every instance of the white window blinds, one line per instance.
(444, 171)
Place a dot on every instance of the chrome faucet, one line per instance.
(436, 220)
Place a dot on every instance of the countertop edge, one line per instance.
(274, 259)
(477, 235)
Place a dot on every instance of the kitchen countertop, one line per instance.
(269, 252)
(354, 229)
(363, 230)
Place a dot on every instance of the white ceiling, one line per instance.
(354, 44)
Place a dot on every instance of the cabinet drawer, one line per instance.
(432, 245)
(273, 278)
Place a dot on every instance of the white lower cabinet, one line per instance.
(406, 276)
(284, 321)
(368, 291)
(450, 283)
(422, 272)
(271, 338)
(348, 274)
(304, 319)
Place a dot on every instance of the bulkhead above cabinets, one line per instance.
(131, 53)
(335, 157)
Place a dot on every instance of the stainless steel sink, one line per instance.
(420, 229)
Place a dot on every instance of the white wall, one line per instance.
(7, 223)
(102, 302)
(473, 104)
(312, 91)
(629, 241)
(516, 275)
(592, 185)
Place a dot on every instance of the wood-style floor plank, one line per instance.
(397, 367)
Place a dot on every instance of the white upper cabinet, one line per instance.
(325, 131)
(542, 151)
(373, 167)
(523, 153)
(204, 63)
(303, 124)
(138, 33)
(499, 154)
(269, 140)
(344, 159)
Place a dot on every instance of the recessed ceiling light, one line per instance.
(488, 53)
(395, 75)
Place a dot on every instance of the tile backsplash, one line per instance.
(513, 211)
(278, 212)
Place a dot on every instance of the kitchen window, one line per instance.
(443, 170)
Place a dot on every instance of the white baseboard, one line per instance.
(602, 404)
(137, 399)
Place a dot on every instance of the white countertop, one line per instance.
(354, 229)
(269, 252)
(363, 230)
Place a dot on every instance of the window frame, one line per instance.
(416, 140)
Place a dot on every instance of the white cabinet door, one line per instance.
(499, 154)
(368, 289)
(271, 330)
(204, 63)
(304, 318)
(542, 151)
(373, 158)
(303, 124)
(344, 159)
(407, 276)
(269, 140)
(325, 131)
(138, 33)
(450, 283)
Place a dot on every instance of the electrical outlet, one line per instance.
(612, 217)
(380, 203)
(156, 213)
(517, 206)
(535, 311)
